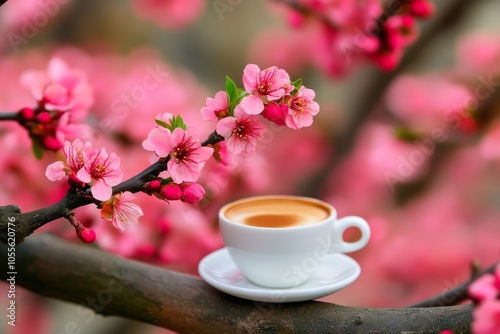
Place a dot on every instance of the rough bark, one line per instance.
(118, 287)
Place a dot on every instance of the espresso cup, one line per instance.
(279, 241)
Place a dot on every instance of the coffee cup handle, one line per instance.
(338, 245)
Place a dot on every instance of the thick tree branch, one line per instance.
(114, 286)
(26, 223)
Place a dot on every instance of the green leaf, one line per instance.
(406, 134)
(231, 90)
(37, 149)
(297, 84)
(163, 124)
(177, 122)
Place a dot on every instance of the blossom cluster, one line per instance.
(87, 165)
(63, 97)
(269, 93)
(486, 291)
(343, 33)
(241, 115)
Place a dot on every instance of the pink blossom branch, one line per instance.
(26, 223)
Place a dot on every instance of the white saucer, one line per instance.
(333, 274)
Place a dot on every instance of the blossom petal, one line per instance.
(101, 191)
(55, 171)
(252, 104)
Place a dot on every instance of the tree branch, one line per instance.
(455, 295)
(26, 223)
(114, 286)
(9, 116)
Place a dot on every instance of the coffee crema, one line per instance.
(277, 212)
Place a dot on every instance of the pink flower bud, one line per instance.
(422, 8)
(192, 192)
(44, 117)
(27, 113)
(155, 185)
(86, 235)
(296, 19)
(275, 113)
(51, 143)
(171, 191)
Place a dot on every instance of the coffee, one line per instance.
(277, 212)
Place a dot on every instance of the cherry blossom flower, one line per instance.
(60, 88)
(171, 14)
(267, 85)
(101, 172)
(241, 132)
(301, 109)
(486, 287)
(187, 156)
(486, 317)
(217, 107)
(120, 210)
(76, 157)
(156, 142)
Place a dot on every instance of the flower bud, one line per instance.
(27, 113)
(192, 192)
(422, 8)
(86, 235)
(154, 185)
(171, 191)
(51, 143)
(44, 117)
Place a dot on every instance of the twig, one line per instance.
(8, 116)
(28, 222)
(455, 295)
(119, 287)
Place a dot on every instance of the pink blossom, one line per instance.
(486, 317)
(301, 109)
(263, 86)
(187, 156)
(60, 88)
(76, 157)
(486, 287)
(217, 107)
(102, 171)
(171, 14)
(120, 210)
(192, 192)
(221, 154)
(241, 131)
(489, 144)
(156, 141)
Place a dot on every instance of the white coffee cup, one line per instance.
(278, 241)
